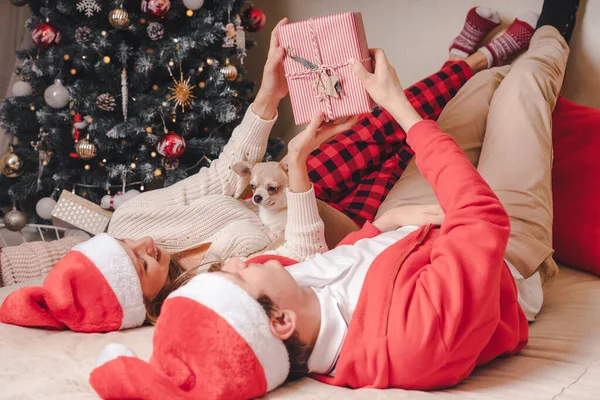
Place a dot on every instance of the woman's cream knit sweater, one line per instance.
(204, 208)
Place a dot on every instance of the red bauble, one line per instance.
(45, 35)
(156, 8)
(171, 145)
(254, 19)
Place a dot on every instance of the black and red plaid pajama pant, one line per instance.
(355, 171)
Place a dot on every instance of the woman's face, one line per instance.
(151, 263)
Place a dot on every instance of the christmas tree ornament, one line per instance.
(15, 220)
(21, 88)
(18, 3)
(109, 202)
(230, 34)
(155, 31)
(83, 35)
(45, 35)
(11, 165)
(106, 102)
(240, 40)
(119, 18)
(181, 93)
(229, 71)
(254, 19)
(171, 145)
(89, 7)
(124, 93)
(44, 207)
(193, 4)
(56, 95)
(169, 164)
(86, 150)
(156, 8)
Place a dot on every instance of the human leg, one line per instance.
(516, 158)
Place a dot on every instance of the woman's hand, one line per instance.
(418, 215)
(384, 87)
(304, 143)
(274, 85)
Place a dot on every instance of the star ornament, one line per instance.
(181, 93)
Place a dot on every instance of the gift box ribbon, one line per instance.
(325, 78)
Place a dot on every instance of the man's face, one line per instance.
(151, 263)
(270, 279)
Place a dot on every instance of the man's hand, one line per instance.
(274, 85)
(300, 147)
(418, 215)
(384, 87)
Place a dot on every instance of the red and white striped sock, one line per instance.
(479, 22)
(515, 39)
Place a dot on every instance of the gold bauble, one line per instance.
(11, 165)
(86, 149)
(119, 18)
(229, 72)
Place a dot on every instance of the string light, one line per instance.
(132, 165)
(153, 154)
(148, 129)
(32, 107)
(142, 188)
(171, 63)
(200, 68)
(155, 87)
(210, 61)
(104, 33)
(84, 57)
(87, 167)
(73, 71)
(66, 57)
(189, 13)
(157, 172)
(106, 60)
(202, 85)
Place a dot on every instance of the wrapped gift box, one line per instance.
(317, 66)
(75, 211)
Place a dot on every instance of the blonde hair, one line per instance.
(176, 278)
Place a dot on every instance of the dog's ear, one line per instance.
(243, 169)
(284, 166)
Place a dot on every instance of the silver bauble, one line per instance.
(15, 220)
(11, 165)
(57, 96)
(21, 88)
(44, 207)
(193, 4)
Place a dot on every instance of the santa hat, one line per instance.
(93, 288)
(212, 341)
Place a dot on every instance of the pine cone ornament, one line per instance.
(155, 31)
(106, 102)
(83, 35)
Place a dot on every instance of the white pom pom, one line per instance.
(105, 202)
(113, 351)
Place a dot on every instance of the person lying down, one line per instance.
(393, 305)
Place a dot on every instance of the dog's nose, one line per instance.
(257, 199)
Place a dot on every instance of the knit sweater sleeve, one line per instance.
(304, 230)
(248, 143)
(31, 260)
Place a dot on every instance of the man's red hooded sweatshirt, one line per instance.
(441, 301)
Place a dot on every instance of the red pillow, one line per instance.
(576, 185)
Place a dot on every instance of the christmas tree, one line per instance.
(123, 94)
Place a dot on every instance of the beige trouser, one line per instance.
(502, 119)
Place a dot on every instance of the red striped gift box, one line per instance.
(327, 43)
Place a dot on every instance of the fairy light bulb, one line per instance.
(106, 60)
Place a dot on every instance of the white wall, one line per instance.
(416, 35)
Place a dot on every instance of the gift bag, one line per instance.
(317, 66)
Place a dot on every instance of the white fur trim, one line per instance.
(530, 18)
(246, 316)
(113, 351)
(489, 13)
(111, 259)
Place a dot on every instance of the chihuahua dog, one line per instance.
(268, 181)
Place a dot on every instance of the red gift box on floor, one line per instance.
(317, 66)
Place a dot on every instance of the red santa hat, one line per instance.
(212, 341)
(93, 288)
